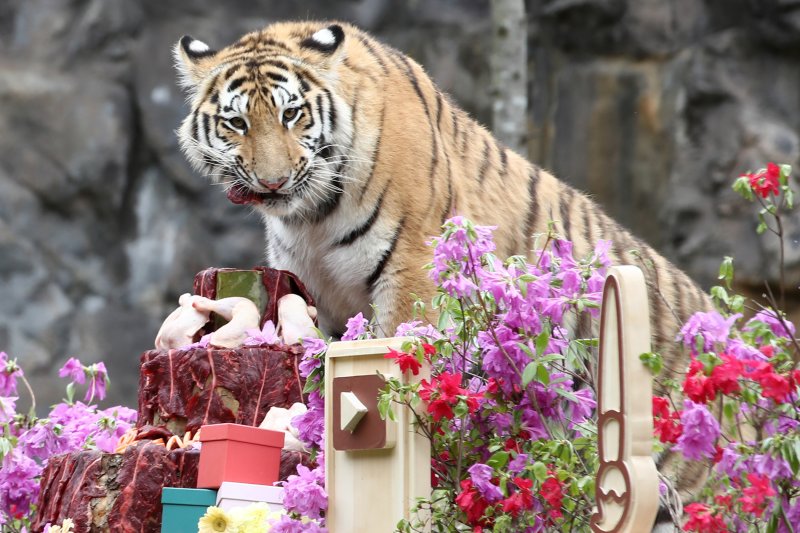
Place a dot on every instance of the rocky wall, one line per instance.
(653, 106)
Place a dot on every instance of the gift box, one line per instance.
(242, 454)
(183, 508)
(232, 494)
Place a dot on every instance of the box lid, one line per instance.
(176, 496)
(238, 432)
(250, 492)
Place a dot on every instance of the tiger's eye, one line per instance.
(238, 122)
(290, 114)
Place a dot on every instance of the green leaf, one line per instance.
(742, 186)
(653, 361)
(70, 392)
(730, 409)
(529, 373)
(542, 340)
(540, 471)
(542, 375)
(726, 271)
(498, 460)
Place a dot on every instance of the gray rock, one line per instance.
(652, 106)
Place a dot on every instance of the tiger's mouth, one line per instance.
(241, 195)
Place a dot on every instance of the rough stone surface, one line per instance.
(653, 106)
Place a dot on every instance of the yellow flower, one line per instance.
(216, 521)
(254, 518)
(65, 527)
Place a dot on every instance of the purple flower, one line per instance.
(311, 424)
(356, 327)
(481, 476)
(204, 342)
(304, 493)
(74, 370)
(9, 372)
(582, 409)
(8, 408)
(265, 335)
(99, 379)
(769, 318)
(730, 463)
(700, 432)
(19, 485)
(711, 326)
(416, 329)
(518, 464)
(286, 524)
(311, 360)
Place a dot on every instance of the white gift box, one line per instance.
(231, 495)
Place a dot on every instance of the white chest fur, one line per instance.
(336, 274)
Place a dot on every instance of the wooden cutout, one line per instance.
(372, 433)
(352, 411)
(370, 490)
(626, 489)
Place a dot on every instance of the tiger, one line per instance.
(354, 158)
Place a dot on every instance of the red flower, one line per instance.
(440, 409)
(429, 349)
(553, 493)
(725, 500)
(696, 386)
(471, 502)
(666, 425)
(755, 495)
(725, 377)
(450, 386)
(765, 181)
(773, 385)
(767, 350)
(703, 520)
(521, 500)
(405, 361)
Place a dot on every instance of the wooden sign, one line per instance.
(626, 490)
(374, 469)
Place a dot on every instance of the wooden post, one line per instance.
(374, 469)
(627, 481)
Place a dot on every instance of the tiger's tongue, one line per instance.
(242, 195)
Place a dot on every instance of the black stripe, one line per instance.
(195, 125)
(365, 227)
(503, 157)
(235, 84)
(484, 162)
(333, 200)
(449, 205)
(210, 87)
(376, 151)
(533, 204)
(455, 121)
(214, 99)
(331, 111)
(207, 128)
(564, 205)
(277, 77)
(376, 274)
(588, 226)
(305, 87)
(371, 49)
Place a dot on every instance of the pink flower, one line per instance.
(265, 335)
(9, 372)
(356, 327)
(74, 370)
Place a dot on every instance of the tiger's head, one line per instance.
(266, 120)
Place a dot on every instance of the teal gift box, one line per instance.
(183, 508)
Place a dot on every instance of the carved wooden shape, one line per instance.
(627, 481)
(374, 469)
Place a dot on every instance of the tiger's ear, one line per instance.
(194, 61)
(327, 40)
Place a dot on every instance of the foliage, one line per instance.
(27, 442)
(741, 409)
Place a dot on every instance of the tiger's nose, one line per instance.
(273, 186)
